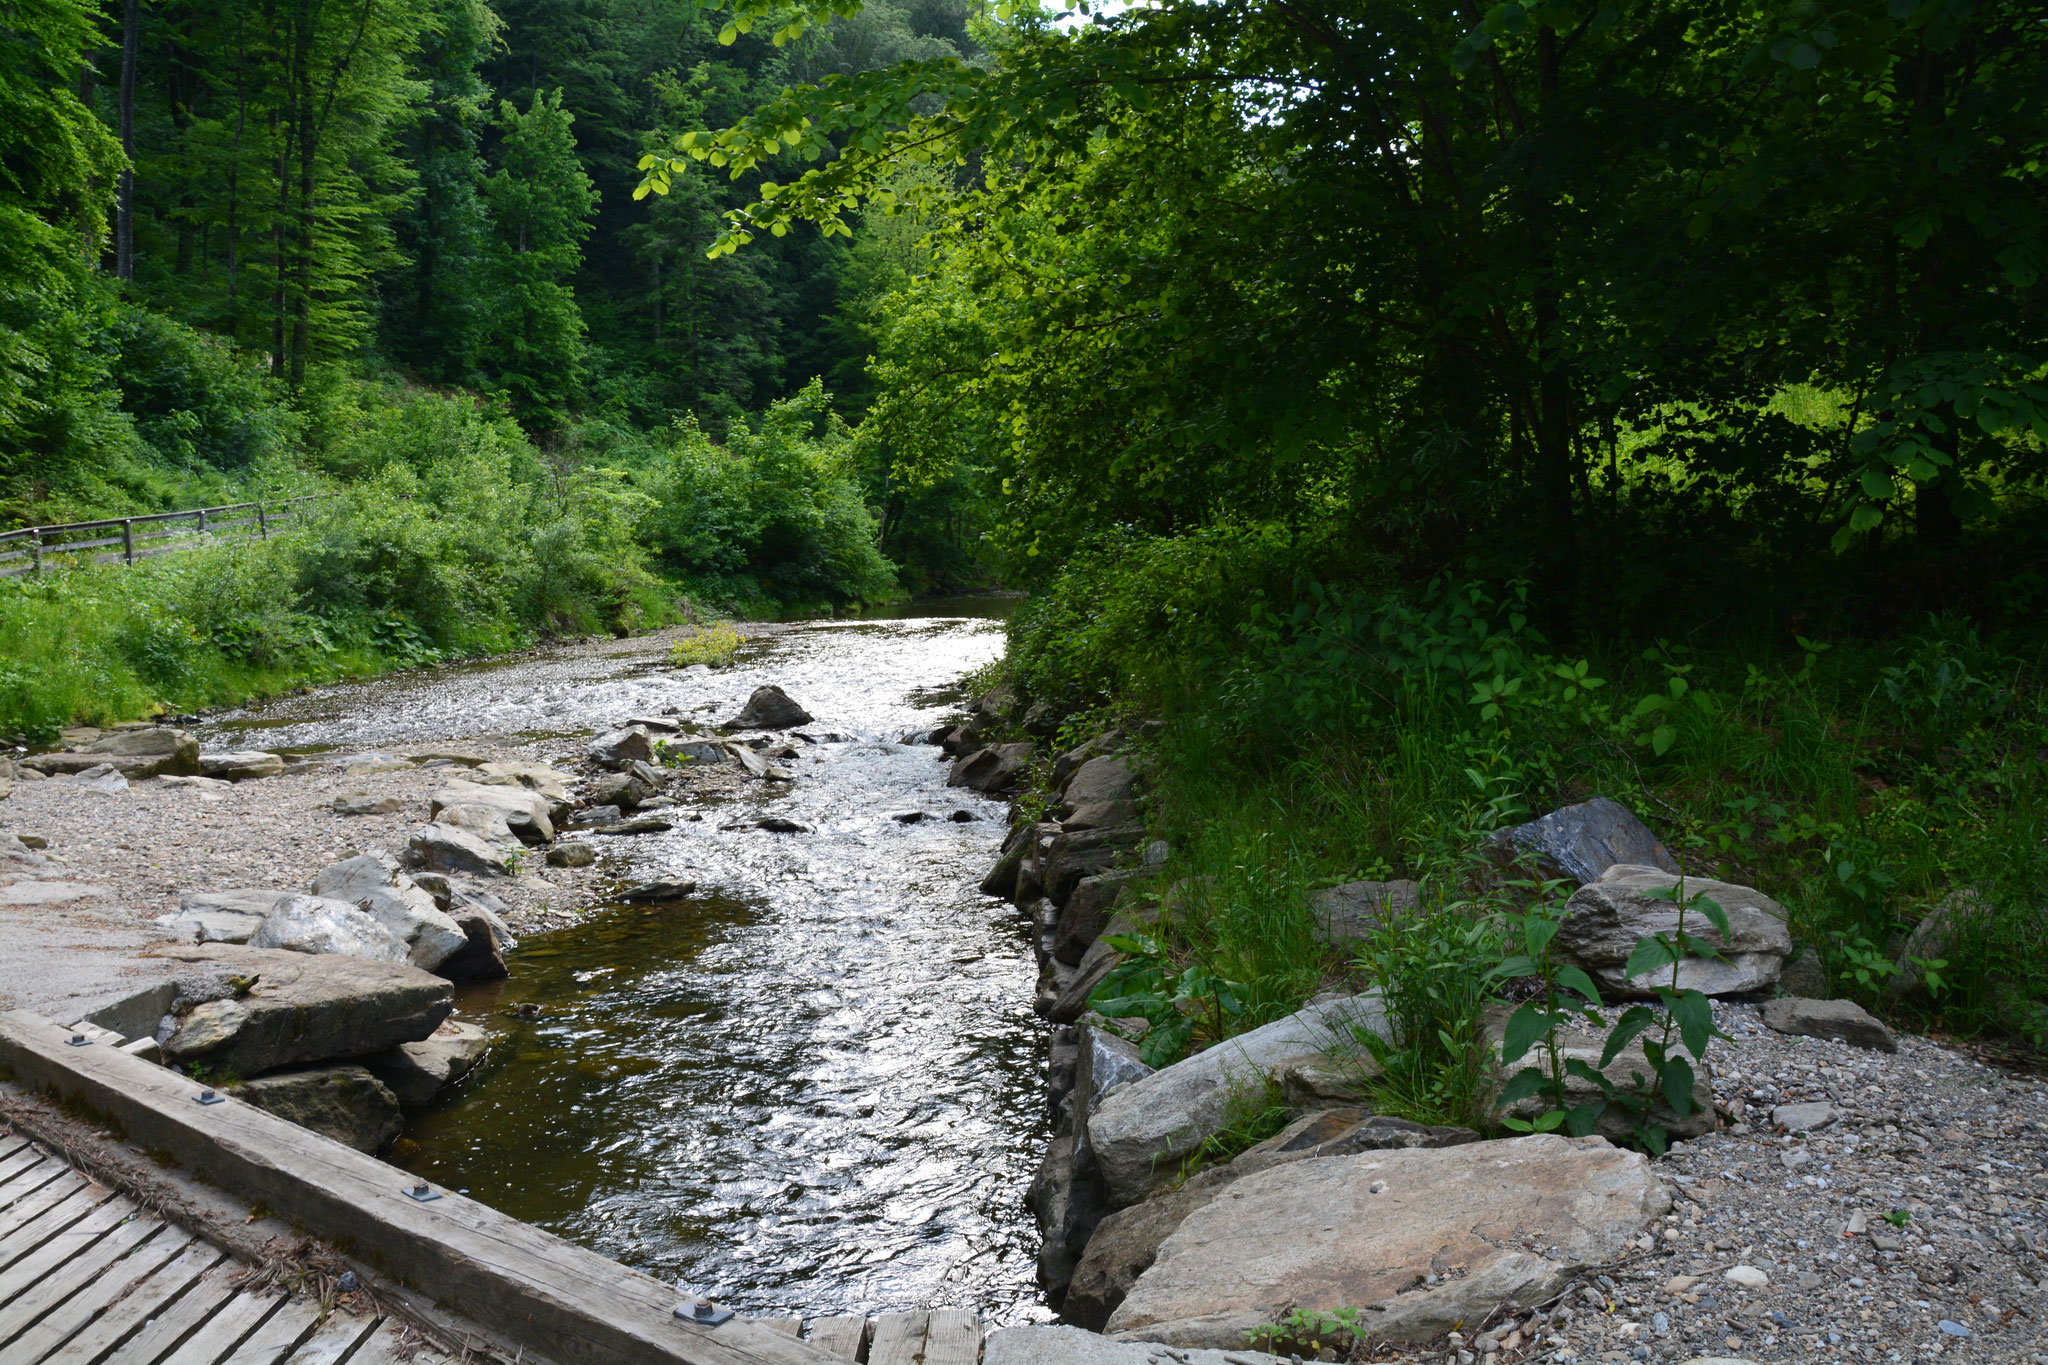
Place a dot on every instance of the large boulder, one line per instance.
(151, 752)
(1068, 1195)
(481, 957)
(1060, 862)
(1354, 910)
(523, 811)
(1606, 918)
(315, 924)
(1102, 793)
(1089, 909)
(373, 884)
(444, 848)
(416, 1072)
(1427, 1239)
(294, 1007)
(222, 916)
(769, 708)
(240, 765)
(551, 783)
(345, 1103)
(1142, 1132)
(1579, 843)
(992, 770)
(1842, 1021)
(1126, 1243)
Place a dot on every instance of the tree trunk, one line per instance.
(124, 207)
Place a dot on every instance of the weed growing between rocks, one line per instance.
(713, 645)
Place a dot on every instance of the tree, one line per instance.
(540, 203)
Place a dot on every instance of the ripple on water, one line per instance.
(815, 1088)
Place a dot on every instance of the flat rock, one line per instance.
(1843, 1021)
(416, 1072)
(1356, 909)
(617, 748)
(51, 893)
(211, 926)
(1579, 843)
(302, 1008)
(524, 812)
(363, 803)
(373, 884)
(571, 855)
(345, 1103)
(240, 765)
(1367, 1230)
(1142, 1132)
(179, 749)
(315, 924)
(463, 758)
(642, 826)
(444, 848)
(1604, 920)
(1804, 1118)
(769, 708)
(1058, 1344)
(550, 782)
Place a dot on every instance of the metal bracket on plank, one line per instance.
(79, 1040)
(209, 1097)
(423, 1192)
(702, 1312)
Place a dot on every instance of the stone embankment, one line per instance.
(291, 928)
(1835, 1193)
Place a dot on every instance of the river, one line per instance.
(816, 1086)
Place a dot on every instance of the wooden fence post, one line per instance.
(202, 521)
(262, 523)
(35, 552)
(128, 541)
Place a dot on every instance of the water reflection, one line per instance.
(815, 1087)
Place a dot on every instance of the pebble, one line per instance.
(1747, 1277)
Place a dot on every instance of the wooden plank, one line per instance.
(787, 1326)
(68, 1263)
(952, 1337)
(282, 1332)
(120, 1297)
(392, 1343)
(33, 1236)
(35, 1203)
(27, 1173)
(224, 1331)
(565, 1302)
(157, 1339)
(899, 1339)
(840, 1336)
(333, 1341)
(23, 1157)
(10, 1143)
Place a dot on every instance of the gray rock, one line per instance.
(345, 1103)
(315, 924)
(240, 765)
(373, 884)
(755, 765)
(551, 783)
(1356, 909)
(257, 901)
(1062, 860)
(700, 752)
(524, 812)
(1605, 919)
(643, 826)
(1843, 1021)
(623, 790)
(211, 926)
(1102, 793)
(594, 816)
(1518, 1218)
(769, 708)
(992, 770)
(1089, 909)
(179, 747)
(1804, 1118)
(485, 822)
(416, 1072)
(654, 893)
(1581, 842)
(1141, 1133)
(479, 958)
(363, 803)
(104, 779)
(443, 848)
(571, 855)
(1002, 878)
(296, 1008)
(1062, 1345)
(617, 748)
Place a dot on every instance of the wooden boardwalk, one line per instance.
(90, 1277)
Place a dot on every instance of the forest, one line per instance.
(1428, 413)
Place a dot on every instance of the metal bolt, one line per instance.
(79, 1040)
(208, 1097)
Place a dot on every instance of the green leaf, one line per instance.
(1876, 483)
(1528, 1081)
(1585, 1118)
(1626, 1030)
(1716, 916)
(1652, 954)
(1525, 1026)
(1572, 978)
(1676, 1073)
(1694, 1015)
(1549, 1122)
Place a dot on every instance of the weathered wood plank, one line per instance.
(787, 1326)
(333, 1340)
(119, 1297)
(898, 1340)
(952, 1337)
(236, 1319)
(391, 1344)
(173, 1325)
(66, 1264)
(33, 1236)
(841, 1336)
(294, 1323)
(11, 1142)
(33, 1205)
(566, 1302)
(16, 1163)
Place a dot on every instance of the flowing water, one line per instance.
(813, 1088)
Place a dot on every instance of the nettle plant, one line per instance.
(1568, 996)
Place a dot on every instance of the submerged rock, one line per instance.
(769, 708)
(345, 1103)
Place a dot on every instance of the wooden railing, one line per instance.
(130, 539)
